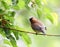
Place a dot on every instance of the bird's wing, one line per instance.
(36, 26)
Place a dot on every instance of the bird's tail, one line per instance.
(43, 33)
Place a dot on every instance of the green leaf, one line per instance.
(53, 17)
(10, 37)
(46, 10)
(7, 42)
(20, 5)
(9, 18)
(26, 38)
(2, 32)
(15, 7)
(5, 5)
(13, 41)
(26, 3)
(8, 2)
(7, 32)
(11, 13)
(38, 2)
(16, 34)
(14, 2)
(1, 11)
(50, 17)
(39, 12)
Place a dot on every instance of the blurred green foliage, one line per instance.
(15, 14)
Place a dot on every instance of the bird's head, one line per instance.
(33, 19)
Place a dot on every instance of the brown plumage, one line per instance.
(37, 25)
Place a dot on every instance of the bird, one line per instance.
(37, 25)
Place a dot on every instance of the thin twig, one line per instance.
(31, 32)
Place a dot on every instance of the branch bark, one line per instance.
(31, 32)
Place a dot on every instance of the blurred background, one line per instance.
(15, 14)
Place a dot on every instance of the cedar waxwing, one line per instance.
(37, 25)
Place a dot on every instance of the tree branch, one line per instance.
(31, 32)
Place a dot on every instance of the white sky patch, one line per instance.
(1, 39)
(30, 3)
(20, 43)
